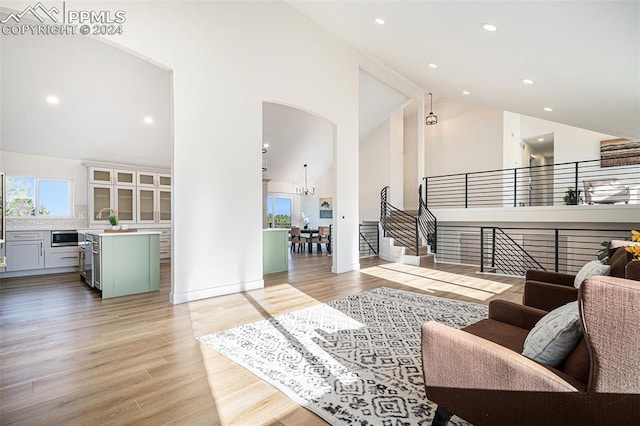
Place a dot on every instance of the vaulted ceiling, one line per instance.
(583, 57)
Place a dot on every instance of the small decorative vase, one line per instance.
(306, 227)
(115, 227)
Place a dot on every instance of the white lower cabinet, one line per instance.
(25, 255)
(61, 257)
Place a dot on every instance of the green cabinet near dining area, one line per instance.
(275, 250)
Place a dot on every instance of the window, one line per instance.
(30, 197)
(279, 212)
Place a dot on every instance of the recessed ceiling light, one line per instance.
(548, 109)
(540, 139)
(434, 66)
(53, 100)
(379, 21)
(527, 81)
(465, 92)
(490, 27)
(148, 120)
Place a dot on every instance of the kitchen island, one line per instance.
(125, 262)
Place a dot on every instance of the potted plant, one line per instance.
(572, 197)
(113, 220)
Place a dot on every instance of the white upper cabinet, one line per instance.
(155, 180)
(138, 195)
(101, 175)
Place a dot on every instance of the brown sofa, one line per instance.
(548, 290)
(479, 374)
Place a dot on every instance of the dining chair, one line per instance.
(321, 238)
(296, 238)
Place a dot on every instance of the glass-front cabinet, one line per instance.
(138, 195)
(121, 199)
(154, 205)
(100, 175)
(156, 180)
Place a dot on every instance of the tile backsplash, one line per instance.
(13, 224)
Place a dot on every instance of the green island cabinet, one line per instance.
(129, 263)
(275, 250)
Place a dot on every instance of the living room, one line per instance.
(285, 53)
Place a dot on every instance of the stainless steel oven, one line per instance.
(64, 238)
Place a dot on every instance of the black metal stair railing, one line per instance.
(369, 236)
(428, 222)
(398, 224)
(506, 256)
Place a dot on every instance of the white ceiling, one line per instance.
(104, 94)
(583, 56)
(296, 137)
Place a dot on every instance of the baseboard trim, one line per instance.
(190, 296)
(347, 268)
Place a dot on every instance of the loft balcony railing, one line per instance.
(573, 183)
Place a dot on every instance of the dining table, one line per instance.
(309, 234)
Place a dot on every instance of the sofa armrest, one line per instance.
(517, 315)
(547, 297)
(456, 359)
(632, 270)
(550, 277)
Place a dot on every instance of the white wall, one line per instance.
(227, 58)
(570, 143)
(467, 138)
(375, 170)
(310, 204)
(410, 156)
(51, 168)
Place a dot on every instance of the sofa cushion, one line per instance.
(618, 259)
(555, 336)
(578, 363)
(591, 269)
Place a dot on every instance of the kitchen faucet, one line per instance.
(111, 212)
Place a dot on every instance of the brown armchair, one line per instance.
(479, 374)
(548, 290)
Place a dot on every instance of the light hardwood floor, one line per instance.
(69, 357)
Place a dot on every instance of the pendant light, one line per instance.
(305, 190)
(431, 118)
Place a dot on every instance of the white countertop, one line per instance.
(102, 233)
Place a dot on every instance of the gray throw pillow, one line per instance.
(554, 336)
(591, 269)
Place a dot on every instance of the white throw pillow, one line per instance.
(554, 336)
(591, 269)
(622, 243)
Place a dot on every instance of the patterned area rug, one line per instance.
(354, 360)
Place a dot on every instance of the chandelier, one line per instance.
(432, 118)
(305, 190)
